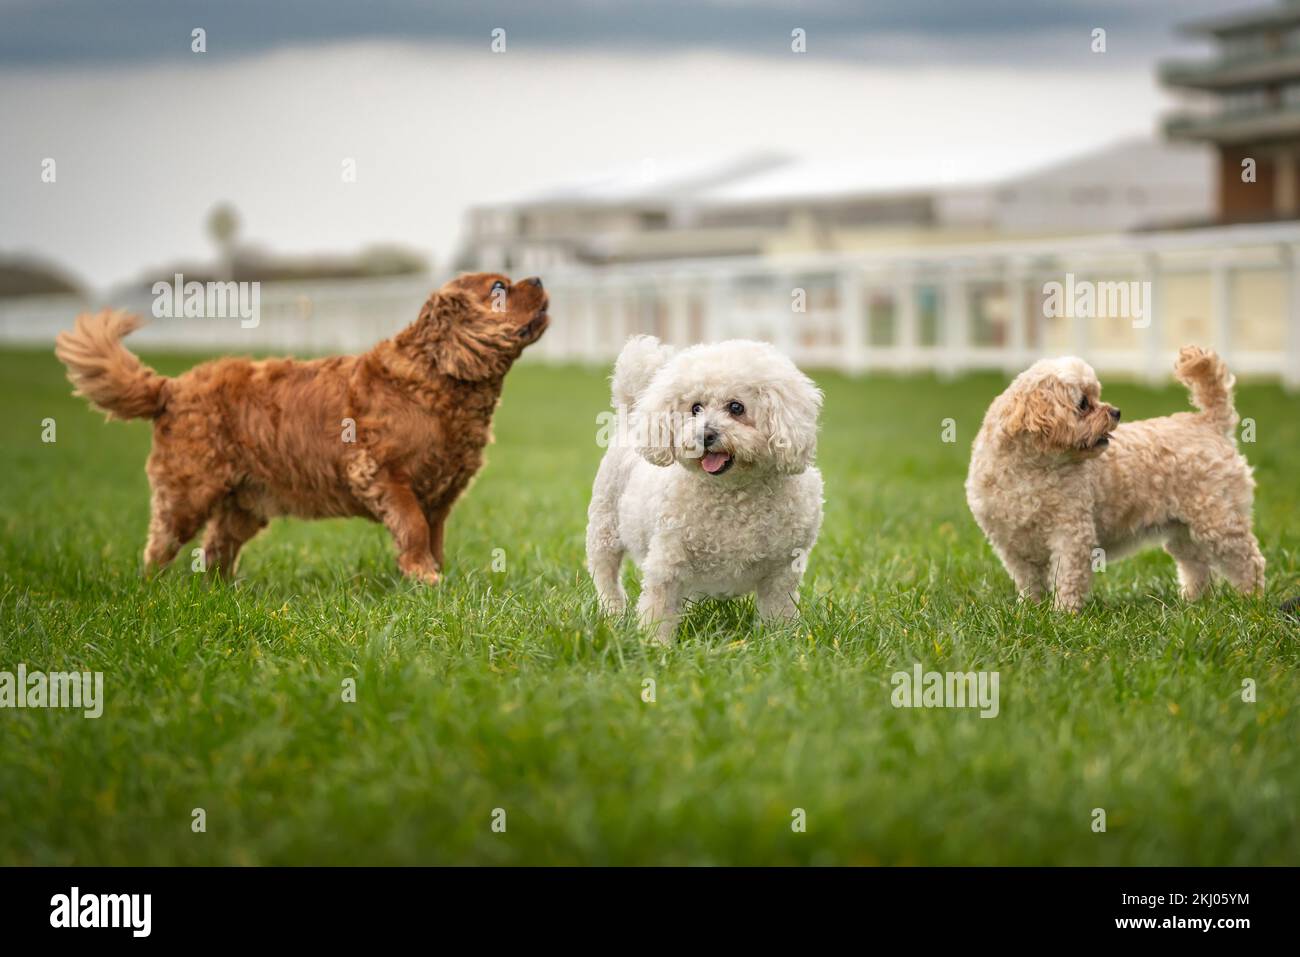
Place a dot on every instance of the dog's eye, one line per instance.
(1083, 404)
(736, 408)
(498, 286)
(696, 409)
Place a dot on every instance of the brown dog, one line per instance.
(394, 434)
(1056, 482)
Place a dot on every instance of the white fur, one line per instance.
(750, 529)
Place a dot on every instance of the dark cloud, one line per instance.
(1020, 31)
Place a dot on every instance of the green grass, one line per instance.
(505, 690)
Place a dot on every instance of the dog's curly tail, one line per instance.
(1210, 382)
(640, 359)
(104, 371)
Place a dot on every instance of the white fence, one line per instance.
(943, 308)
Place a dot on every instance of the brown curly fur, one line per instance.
(237, 442)
(1052, 477)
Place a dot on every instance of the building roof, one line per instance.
(747, 179)
(813, 182)
(1247, 21)
(756, 179)
(1137, 160)
(1237, 73)
(653, 181)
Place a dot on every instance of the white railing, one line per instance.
(340, 315)
(945, 308)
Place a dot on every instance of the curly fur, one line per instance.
(749, 528)
(104, 372)
(1050, 481)
(237, 441)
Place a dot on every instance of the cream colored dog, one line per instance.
(1052, 478)
(715, 494)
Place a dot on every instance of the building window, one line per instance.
(1244, 46)
(1088, 195)
(1245, 101)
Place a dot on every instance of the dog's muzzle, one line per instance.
(715, 460)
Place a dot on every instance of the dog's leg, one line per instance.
(605, 549)
(163, 542)
(1030, 577)
(229, 529)
(437, 519)
(436, 514)
(394, 503)
(1071, 569)
(775, 595)
(1193, 566)
(397, 507)
(659, 608)
(604, 566)
(173, 520)
(1234, 553)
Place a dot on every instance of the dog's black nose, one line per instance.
(1114, 414)
(709, 437)
(534, 281)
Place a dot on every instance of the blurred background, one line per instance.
(893, 185)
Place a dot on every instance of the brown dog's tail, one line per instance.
(104, 371)
(1210, 382)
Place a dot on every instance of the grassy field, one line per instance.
(503, 689)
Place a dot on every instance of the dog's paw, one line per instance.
(1067, 603)
(613, 606)
(662, 633)
(420, 570)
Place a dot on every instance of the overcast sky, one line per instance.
(148, 135)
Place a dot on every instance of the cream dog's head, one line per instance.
(1053, 407)
(736, 407)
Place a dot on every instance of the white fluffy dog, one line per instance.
(715, 495)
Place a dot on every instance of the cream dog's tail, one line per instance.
(104, 371)
(640, 359)
(1210, 382)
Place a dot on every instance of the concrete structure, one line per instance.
(1246, 102)
(945, 308)
(776, 205)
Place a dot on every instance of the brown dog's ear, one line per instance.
(1035, 411)
(456, 337)
(1015, 414)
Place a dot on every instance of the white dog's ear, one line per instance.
(658, 422)
(787, 415)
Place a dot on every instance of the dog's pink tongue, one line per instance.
(713, 461)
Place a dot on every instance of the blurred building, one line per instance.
(776, 205)
(1245, 101)
(29, 276)
(647, 212)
